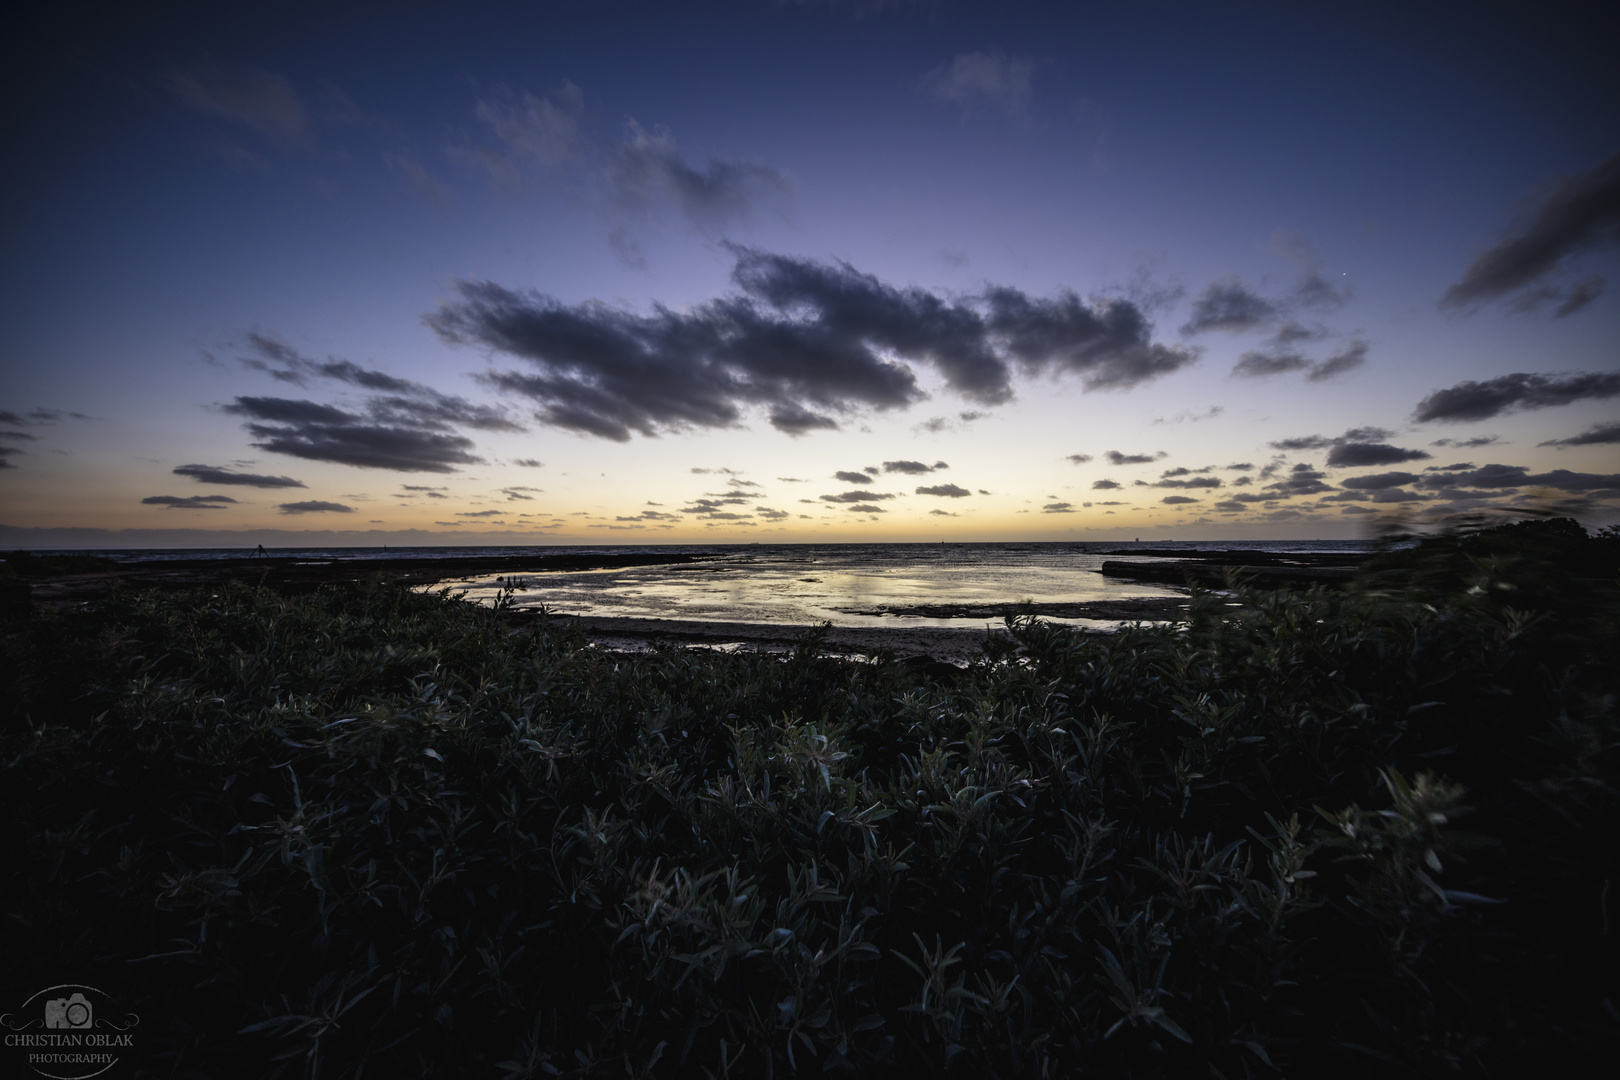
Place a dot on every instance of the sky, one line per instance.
(804, 272)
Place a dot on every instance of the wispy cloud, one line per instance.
(1577, 214)
(984, 81)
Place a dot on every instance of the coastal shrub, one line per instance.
(375, 832)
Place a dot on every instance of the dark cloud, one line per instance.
(1518, 392)
(1229, 305)
(793, 419)
(528, 462)
(36, 416)
(864, 509)
(856, 496)
(1257, 364)
(1195, 482)
(943, 513)
(314, 506)
(1578, 214)
(219, 474)
(912, 468)
(1516, 476)
(1354, 455)
(189, 502)
(19, 436)
(1380, 481)
(1078, 459)
(1104, 485)
(1350, 357)
(1177, 500)
(1058, 508)
(318, 432)
(1117, 458)
(1301, 480)
(397, 401)
(799, 336)
(1596, 435)
(480, 513)
(852, 477)
(1478, 440)
(949, 491)
(771, 515)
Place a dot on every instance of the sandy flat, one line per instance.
(949, 645)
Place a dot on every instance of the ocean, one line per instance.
(849, 585)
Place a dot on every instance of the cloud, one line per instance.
(305, 429)
(1301, 480)
(949, 491)
(1596, 435)
(797, 337)
(856, 496)
(189, 502)
(1256, 364)
(1516, 476)
(1346, 359)
(984, 80)
(1176, 500)
(1230, 305)
(1478, 440)
(480, 513)
(912, 468)
(1379, 481)
(1189, 417)
(1260, 363)
(1117, 458)
(219, 474)
(868, 510)
(1195, 482)
(314, 506)
(1578, 214)
(538, 132)
(1519, 392)
(649, 172)
(528, 463)
(1078, 459)
(1104, 485)
(1354, 455)
(1058, 508)
(261, 100)
(853, 477)
(398, 400)
(943, 513)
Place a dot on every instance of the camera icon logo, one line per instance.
(68, 1012)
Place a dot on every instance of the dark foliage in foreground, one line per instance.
(1352, 833)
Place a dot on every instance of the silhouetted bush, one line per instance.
(1365, 832)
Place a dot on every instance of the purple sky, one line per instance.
(805, 271)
